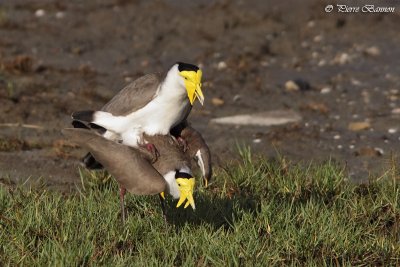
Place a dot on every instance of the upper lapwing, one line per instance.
(152, 104)
(135, 169)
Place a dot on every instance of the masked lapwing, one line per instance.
(152, 104)
(195, 146)
(134, 169)
(190, 139)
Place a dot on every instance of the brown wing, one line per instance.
(134, 96)
(171, 154)
(128, 166)
(196, 147)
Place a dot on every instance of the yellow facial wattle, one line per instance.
(186, 187)
(192, 81)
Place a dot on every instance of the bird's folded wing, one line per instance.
(134, 96)
(132, 171)
(197, 148)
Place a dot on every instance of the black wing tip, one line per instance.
(84, 115)
(97, 128)
(91, 163)
(79, 124)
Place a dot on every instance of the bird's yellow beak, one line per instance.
(186, 187)
(193, 85)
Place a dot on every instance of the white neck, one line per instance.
(173, 86)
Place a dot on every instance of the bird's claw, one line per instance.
(153, 150)
(183, 143)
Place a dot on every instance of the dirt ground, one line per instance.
(57, 57)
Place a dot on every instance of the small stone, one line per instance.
(222, 65)
(342, 59)
(339, 146)
(396, 111)
(60, 15)
(379, 151)
(318, 38)
(351, 146)
(372, 51)
(236, 98)
(367, 152)
(217, 101)
(392, 131)
(297, 84)
(326, 90)
(305, 44)
(291, 86)
(317, 107)
(40, 13)
(311, 24)
(358, 126)
(257, 140)
(336, 137)
(128, 79)
(144, 63)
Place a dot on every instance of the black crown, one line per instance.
(185, 66)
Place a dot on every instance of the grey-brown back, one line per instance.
(171, 153)
(130, 168)
(134, 96)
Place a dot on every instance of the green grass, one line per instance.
(256, 213)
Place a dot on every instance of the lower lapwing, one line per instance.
(134, 169)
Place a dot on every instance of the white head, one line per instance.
(181, 185)
(188, 77)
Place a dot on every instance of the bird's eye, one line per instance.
(185, 78)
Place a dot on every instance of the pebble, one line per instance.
(291, 86)
(222, 65)
(326, 90)
(257, 140)
(216, 101)
(40, 13)
(392, 130)
(339, 146)
(128, 79)
(60, 15)
(236, 98)
(379, 151)
(336, 137)
(342, 59)
(367, 151)
(355, 82)
(372, 51)
(305, 44)
(351, 146)
(396, 111)
(318, 38)
(359, 126)
(311, 24)
(296, 85)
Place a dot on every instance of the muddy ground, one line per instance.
(57, 57)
